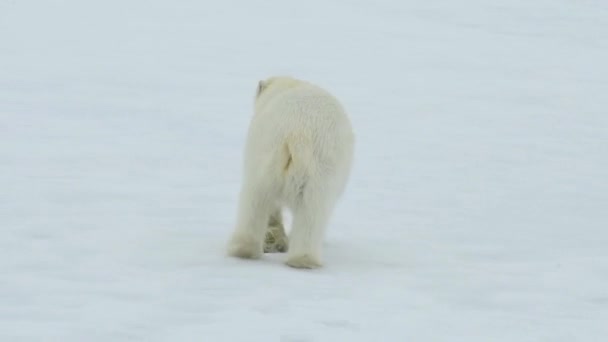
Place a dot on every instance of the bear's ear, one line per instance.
(261, 87)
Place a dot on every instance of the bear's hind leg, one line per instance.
(255, 207)
(276, 240)
(310, 217)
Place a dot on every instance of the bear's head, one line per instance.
(276, 83)
(272, 87)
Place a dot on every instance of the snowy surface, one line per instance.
(477, 209)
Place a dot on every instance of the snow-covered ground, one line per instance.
(477, 209)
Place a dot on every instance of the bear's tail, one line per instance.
(297, 163)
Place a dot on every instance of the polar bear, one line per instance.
(298, 156)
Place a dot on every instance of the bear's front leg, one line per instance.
(276, 240)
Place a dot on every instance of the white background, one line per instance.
(477, 209)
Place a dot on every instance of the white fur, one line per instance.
(298, 155)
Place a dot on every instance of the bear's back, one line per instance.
(293, 106)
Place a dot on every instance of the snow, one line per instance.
(477, 208)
